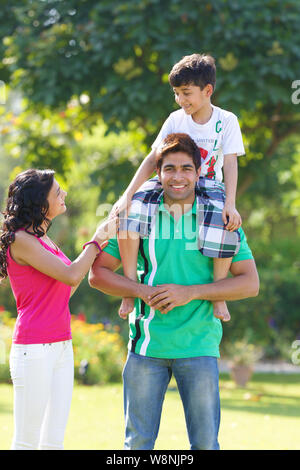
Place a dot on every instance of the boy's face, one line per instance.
(191, 98)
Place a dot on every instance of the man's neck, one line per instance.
(178, 208)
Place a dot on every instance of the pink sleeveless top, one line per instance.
(42, 302)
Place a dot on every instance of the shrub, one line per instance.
(99, 350)
(271, 319)
(6, 332)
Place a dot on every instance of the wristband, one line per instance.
(95, 243)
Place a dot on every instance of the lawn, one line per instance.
(264, 415)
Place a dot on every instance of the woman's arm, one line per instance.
(74, 288)
(26, 250)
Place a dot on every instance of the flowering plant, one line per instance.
(243, 353)
(99, 352)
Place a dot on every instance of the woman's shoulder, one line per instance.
(21, 235)
(24, 239)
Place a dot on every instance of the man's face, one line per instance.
(178, 177)
(191, 98)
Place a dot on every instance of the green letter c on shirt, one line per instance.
(218, 127)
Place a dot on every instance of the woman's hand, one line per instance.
(121, 206)
(107, 230)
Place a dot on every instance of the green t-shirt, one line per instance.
(170, 255)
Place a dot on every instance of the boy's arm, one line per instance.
(230, 214)
(143, 173)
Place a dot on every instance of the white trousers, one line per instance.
(43, 377)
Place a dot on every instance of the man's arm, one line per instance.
(103, 278)
(243, 284)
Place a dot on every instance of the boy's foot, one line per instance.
(221, 311)
(126, 307)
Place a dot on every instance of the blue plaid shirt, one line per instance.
(214, 240)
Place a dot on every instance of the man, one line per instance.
(172, 329)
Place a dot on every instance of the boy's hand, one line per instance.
(122, 204)
(231, 217)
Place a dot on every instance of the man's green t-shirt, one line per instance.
(170, 256)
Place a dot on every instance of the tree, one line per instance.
(115, 55)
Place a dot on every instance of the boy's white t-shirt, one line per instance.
(220, 136)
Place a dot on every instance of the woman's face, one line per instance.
(56, 200)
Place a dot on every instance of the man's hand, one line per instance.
(169, 296)
(231, 217)
(147, 292)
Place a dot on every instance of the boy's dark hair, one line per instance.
(178, 142)
(196, 69)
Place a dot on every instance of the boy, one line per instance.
(218, 136)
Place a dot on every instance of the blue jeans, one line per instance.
(145, 383)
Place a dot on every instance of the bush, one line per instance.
(99, 350)
(271, 319)
(6, 331)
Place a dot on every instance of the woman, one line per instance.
(42, 280)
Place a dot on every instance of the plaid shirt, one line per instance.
(214, 240)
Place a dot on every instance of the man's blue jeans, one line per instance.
(145, 383)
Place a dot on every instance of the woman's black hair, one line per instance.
(26, 206)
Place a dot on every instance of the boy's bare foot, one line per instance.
(221, 311)
(126, 307)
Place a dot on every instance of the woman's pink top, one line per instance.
(42, 302)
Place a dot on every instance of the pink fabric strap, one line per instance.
(95, 243)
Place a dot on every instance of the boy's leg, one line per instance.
(198, 383)
(129, 247)
(221, 269)
(145, 383)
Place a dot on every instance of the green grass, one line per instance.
(264, 415)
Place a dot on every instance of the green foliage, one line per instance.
(271, 319)
(83, 60)
(120, 52)
(6, 331)
(76, 72)
(99, 353)
(98, 346)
